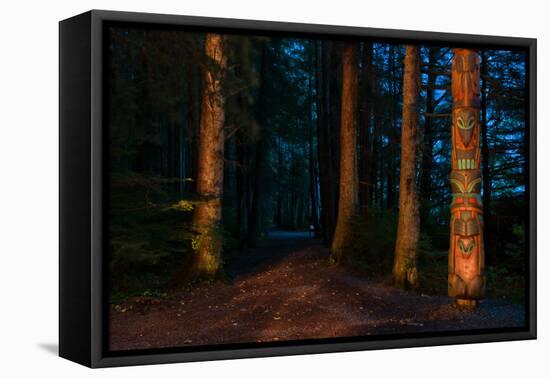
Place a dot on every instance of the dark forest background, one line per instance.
(282, 124)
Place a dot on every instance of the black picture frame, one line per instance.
(82, 196)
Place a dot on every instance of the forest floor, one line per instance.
(285, 290)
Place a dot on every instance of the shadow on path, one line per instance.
(277, 246)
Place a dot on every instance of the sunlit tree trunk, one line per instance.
(466, 255)
(408, 227)
(348, 193)
(208, 213)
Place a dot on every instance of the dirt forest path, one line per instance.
(285, 290)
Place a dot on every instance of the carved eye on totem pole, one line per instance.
(466, 228)
(466, 135)
(466, 204)
(465, 127)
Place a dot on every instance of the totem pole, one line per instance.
(466, 254)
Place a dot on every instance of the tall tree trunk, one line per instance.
(347, 203)
(408, 227)
(487, 182)
(427, 147)
(207, 214)
(466, 254)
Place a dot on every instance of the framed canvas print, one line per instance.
(233, 188)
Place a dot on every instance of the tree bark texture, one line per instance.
(208, 213)
(408, 228)
(347, 203)
(466, 254)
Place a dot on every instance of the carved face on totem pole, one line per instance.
(466, 255)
